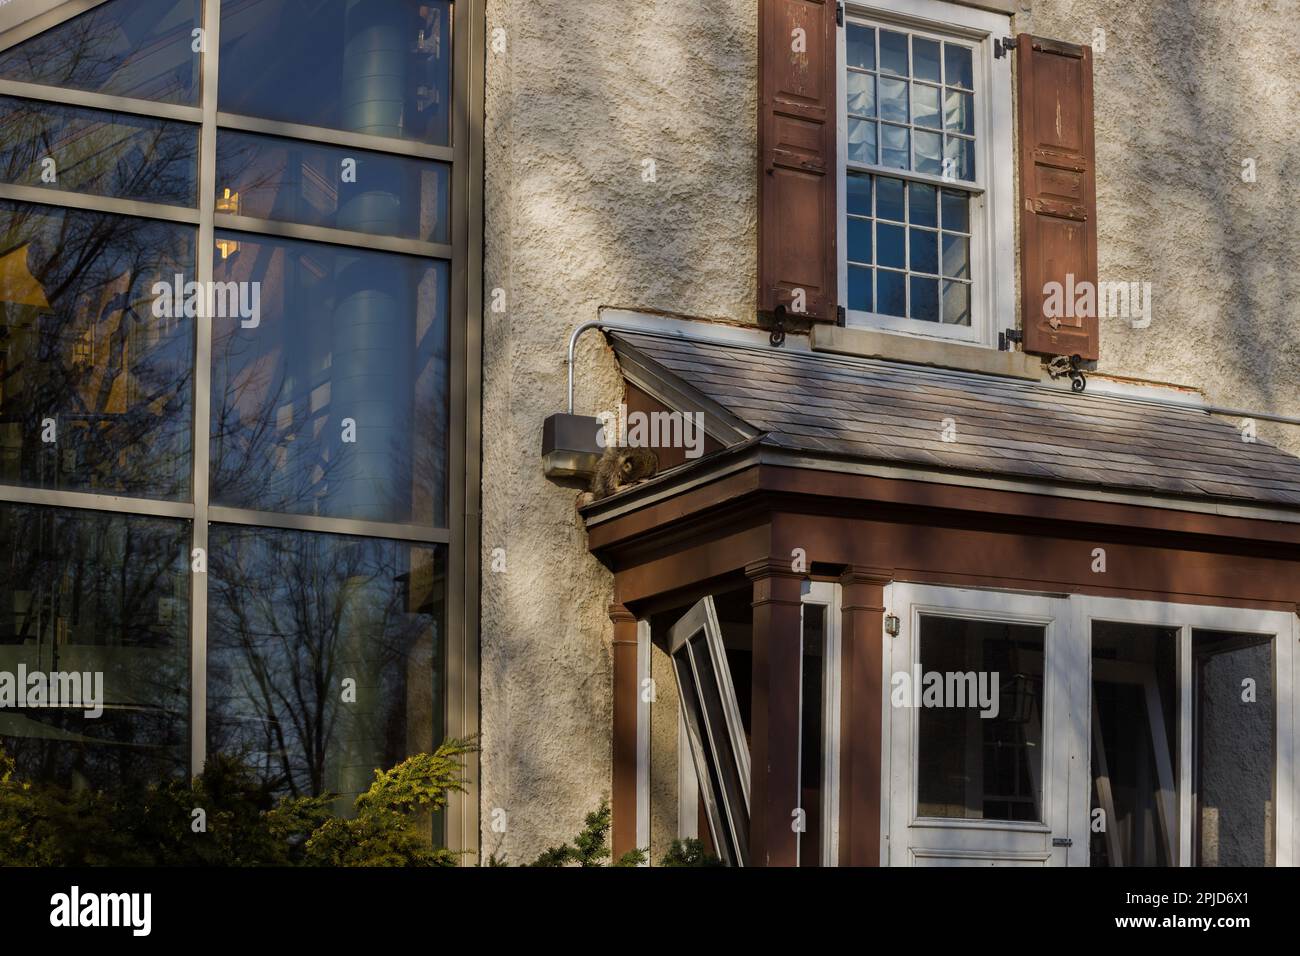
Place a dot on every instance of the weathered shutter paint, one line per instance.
(797, 158)
(1058, 193)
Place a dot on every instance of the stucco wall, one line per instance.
(585, 92)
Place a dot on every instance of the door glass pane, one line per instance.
(97, 152)
(812, 736)
(1233, 716)
(294, 615)
(978, 690)
(1134, 745)
(106, 597)
(137, 48)
(95, 388)
(381, 67)
(296, 181)
(334, 402)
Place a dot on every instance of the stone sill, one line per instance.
(866, 343)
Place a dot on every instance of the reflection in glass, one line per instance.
(137, 48)
(94, 389)
(95, 592)
(972, 766)
(335, 403)
(1235, 733)
(295, 181)
(294, 615)
(381, 67)
(98, 152)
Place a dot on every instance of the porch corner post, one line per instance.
(623, 784)
(862, 604)
(774, 792)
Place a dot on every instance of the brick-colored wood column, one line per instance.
(862, 602)
(774, 744)
(623, 802)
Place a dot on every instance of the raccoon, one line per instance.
(622, 467)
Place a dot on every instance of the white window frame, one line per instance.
(1069, 621)
(992, 300)
(826, 594)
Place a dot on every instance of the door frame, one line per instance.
(1284, 627)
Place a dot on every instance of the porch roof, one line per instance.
(832, 406)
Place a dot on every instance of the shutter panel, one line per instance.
(797, 157)
(1058, 190)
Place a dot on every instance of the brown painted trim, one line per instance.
(862, 606)
(774, 792)
(623, 783)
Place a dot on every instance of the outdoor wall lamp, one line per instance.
(570, 445)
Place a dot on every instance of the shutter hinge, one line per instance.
(1006, 338)
(839, 13)
(892, 625)
(840, 316)
(1002, 46)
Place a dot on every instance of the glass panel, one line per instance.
(893, 100)
(925, 299)
(860, 240)
(894, 147)
(97, 152)
(862, 141)
(137, 48)
(860, 289)
(920, 205)
(958, 69)
(959, 112)
(956, 303)
(956, 256)
(294, 181)
(889, 245)
(893, 52)
(382, 67)
(925, 59)
(979, 719)
(335, 402)
(925, 251)
(925, 105)
(859, 198)
(889, 198)
(960, 154)
(891, 292)
(811, 736)
(293, 615)
(928, 148)
(862, 94)
(106, 597)
(1134, 759)
(1234, 739)
(95, 389)
(861, 46)
(956, 214)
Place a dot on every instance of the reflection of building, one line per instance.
(314, 457)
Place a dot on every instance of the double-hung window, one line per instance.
(925, 154)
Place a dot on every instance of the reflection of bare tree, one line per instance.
(111, 154)
(292, 616)
(140, 48)
(117, 380)
(95, 592)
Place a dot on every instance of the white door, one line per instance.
(982, 729)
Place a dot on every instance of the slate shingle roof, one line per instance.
(888, 412)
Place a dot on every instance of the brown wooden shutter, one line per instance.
(1058, 191)
(796, 148)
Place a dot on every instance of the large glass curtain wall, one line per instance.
(236, 512)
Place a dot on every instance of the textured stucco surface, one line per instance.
(585, 92)
(582, 95)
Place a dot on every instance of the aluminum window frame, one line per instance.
(464, 255)
(991, 222)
